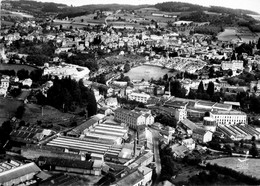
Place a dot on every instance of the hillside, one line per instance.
(187, 7)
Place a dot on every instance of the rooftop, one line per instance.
(189, 124)
(130, 179)
(18, 172)
(232, 112)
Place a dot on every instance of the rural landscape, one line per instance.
(127, 95)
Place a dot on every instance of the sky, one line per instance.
(253, 5)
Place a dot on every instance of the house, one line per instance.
(111, 102)
(201, 135)
(179, 151)
(189, 143)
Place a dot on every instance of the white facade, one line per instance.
(140, 97)
(74, 71)
(180, 114)
(229, 117)
(233, 65)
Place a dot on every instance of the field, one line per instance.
(8, 108)
(16, 67)
(15, 14)
(147, 72)
(249, 167)
(47, 115)
(230, 34)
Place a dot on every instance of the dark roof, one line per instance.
(199, 131)
(67, 163)
(79, 129)
(61, 179)
(176, 104)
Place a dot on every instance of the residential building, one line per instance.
(179, 151)
(111, 102)
(201, 135)
(189, 143)
(229, 117)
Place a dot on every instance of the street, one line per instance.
(156, 154)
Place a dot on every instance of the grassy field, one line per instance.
(33, 113)
(16, 67)
(8, 108)
(237, 33)
(249, 167)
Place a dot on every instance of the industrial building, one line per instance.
(238, 132)
(133, 119)
(229, 117)
(15, 173)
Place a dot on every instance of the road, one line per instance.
(156, 154)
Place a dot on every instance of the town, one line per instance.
(128, 96)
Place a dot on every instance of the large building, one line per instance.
(132, 118)
(140, 97)
(16, 173)
(229, 117)
(233, 65)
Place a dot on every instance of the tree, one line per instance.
(92, 104)
(177, 89)
(200, 88)
(253, 151)
(211, 72)
(230, 72)
(127, 67)
(210, 89)
(192, 94)
(20, 111)
(258, 44)
(165, 77)
(23, 74)
(36, 75)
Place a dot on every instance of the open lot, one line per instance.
(249, 167)
(147, 72)
(8, 108)
(47, 115)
